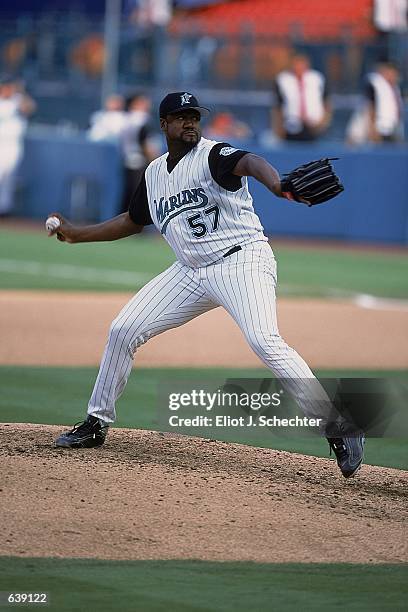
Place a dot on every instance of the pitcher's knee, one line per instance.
(129, 335)
(271, 345)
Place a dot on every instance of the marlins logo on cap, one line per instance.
(185, 98)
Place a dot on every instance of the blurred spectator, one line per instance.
(137, 144)
(391, 20)
(152, 13)
(13, 54)
(380, 117)
(302, 110)
(391, 15)
(15, 106)
(224, 126)
(384, 104)
(108, 124)
(88, 55)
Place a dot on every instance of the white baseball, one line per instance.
(52, 223)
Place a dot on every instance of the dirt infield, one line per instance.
(61, 328)
(146, 495)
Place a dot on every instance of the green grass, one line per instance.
(31, 260)
(143, 256)
(198, 586)
(317, 272)
(59, 396)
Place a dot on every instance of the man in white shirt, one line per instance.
(302, 110)
(107, 124)
(137, 145)
(391, 15)
(14, 107)
(385, 104)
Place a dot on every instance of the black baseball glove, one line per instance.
(312, 183)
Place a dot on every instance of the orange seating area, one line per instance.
(318, 19)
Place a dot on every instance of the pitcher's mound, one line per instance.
(146, 495)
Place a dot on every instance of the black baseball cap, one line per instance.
(179, 101)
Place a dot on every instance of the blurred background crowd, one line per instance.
(274, 72)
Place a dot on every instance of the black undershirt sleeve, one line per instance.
(369, 92)
(278, 94)
(222, 160)
(143, 134)
(326, 92)
(139, 206)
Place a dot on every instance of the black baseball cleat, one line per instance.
(349, 453)
(87, 434)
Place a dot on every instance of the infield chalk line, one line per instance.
(70, 272)
(364, 300)
(132, 279)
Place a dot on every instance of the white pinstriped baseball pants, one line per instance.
(244, 284)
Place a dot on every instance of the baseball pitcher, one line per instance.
(197, 197)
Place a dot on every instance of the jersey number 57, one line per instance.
(198, 224)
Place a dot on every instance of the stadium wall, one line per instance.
(79, 178)
(83, 180)
(373, 207)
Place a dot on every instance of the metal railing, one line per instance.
(61, 57)
(70, 47)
